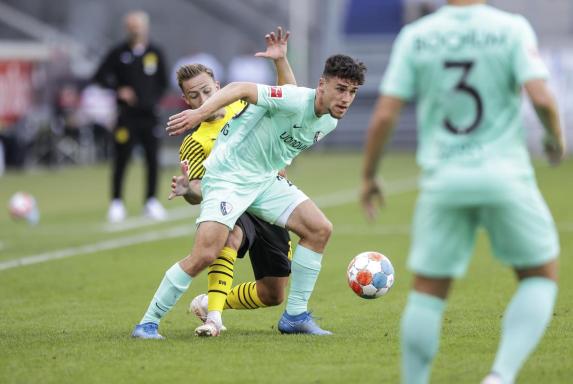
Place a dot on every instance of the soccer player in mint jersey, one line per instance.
(241, 175)
(268, 245)
(466, 65)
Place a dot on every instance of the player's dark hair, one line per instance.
(189, 71)
(344, 67)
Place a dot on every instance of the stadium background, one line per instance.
(66, 319)
(46, 46)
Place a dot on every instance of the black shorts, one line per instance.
(268, 245)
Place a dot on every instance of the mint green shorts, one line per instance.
(272, 200)
(512, 212)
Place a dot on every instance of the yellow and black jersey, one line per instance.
(197, 145)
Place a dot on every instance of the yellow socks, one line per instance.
(244, 296)
(220, 279)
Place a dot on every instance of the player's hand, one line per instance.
(180, 183)
(276, 45)
(371, 198)
(183, 122)
(554, 149)
(127, 95)
(283, 173)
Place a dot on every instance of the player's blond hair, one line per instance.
(189, 71)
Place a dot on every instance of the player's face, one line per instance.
(198, 89)
(335, 95)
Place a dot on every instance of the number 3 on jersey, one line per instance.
(463, 86)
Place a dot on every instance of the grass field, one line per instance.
(66, 318)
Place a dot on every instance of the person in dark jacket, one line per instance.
(135, 69)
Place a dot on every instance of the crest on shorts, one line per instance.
(226, 208)
(318, 136)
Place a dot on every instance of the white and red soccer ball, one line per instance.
(370, 275)
(22, 205)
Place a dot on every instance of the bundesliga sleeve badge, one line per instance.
(276, 92)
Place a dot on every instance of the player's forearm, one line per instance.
(545, 108)
(228, 95)
(378, 134)
(194, 195)
(549, 117)
(285, 74)
(376, 139)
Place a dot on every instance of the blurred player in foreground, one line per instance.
(466, 65)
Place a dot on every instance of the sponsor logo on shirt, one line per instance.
(226, 208)
(276, 92)
(288, 139)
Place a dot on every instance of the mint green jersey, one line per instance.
(465, 66)
(265, 137)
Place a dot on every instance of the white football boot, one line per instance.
(199, 306)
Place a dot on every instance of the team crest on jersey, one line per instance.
(150, 61)
(318, 136)
(226, 208)
(276, 92)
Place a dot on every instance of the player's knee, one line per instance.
(196, 262)
(235, 238)
(548, 271)
(323, 232)
(193, 265)
(271, 298)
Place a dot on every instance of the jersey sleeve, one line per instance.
(286, 98)
(192, 151)
(527, 63)
(399, 78)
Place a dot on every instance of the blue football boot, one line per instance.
(303, 323)
(146, 331)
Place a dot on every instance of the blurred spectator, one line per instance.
(135, 69)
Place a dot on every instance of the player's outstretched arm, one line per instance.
(547, 111)
(186, 120)
(277, 51)
(381, 125)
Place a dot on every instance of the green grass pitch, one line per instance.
(68, 320)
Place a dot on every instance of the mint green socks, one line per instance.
(305, 268)
(174, 284)
(524, 323)
(420, 336)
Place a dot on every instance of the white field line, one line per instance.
(325, 201)
(100, 246)
(331, 200)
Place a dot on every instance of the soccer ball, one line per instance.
(370, 275)
(22, 206)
